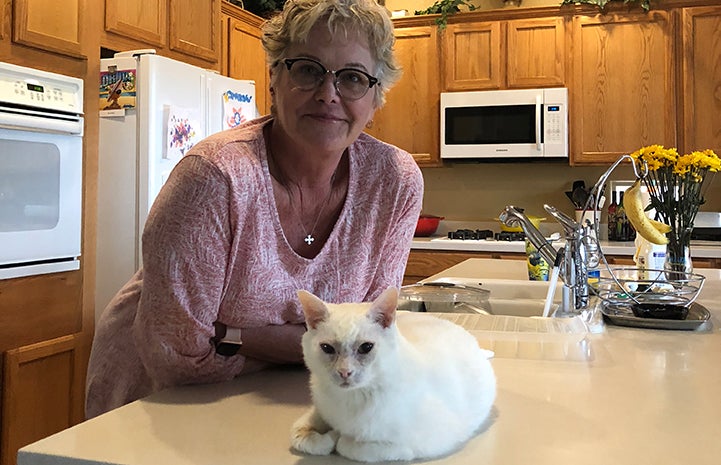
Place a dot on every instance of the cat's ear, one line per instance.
(383, 310)
(314, 309)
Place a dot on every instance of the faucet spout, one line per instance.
(512, 216)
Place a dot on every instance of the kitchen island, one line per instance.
(640, 396)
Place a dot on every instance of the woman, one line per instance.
(301, 199)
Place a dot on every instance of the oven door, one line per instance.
(40, 201)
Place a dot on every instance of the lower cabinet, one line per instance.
(424, 263)
(42, 391)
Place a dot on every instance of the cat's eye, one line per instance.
(327, 348)
(365, 348)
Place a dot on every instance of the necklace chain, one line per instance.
(309, 237)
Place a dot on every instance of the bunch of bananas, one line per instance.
(651, 230)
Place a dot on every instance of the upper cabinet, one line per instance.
(243, 56)
(410, 119)
(472, 56)
(517, 53)
(50, 26)
(700, 124)
(184, 29)
(623, 91)
(140, 20)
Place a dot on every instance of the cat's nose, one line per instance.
(345, 374)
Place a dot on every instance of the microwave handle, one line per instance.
(538, 123)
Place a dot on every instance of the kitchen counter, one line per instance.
(608, 247)
(640, 397)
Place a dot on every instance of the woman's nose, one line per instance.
(327, 90)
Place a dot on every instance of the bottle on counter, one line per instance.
(612, 236)
(649, 256)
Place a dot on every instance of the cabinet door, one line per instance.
(194, 28)
(623, 95)
(472, 56)
(50, 25)
(536, 55)
(410, 118)
(701, 77)
(246, 60)
(42, 393)
(142, 20)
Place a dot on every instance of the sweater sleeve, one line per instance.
(186, 243)
(396, 244)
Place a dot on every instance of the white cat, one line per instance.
(387, 385)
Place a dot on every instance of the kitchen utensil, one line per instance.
(427, 225)
(444, 297)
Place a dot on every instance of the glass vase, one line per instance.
(678, 253)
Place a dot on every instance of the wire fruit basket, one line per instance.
(649, 293)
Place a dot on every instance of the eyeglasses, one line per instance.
(307, 74)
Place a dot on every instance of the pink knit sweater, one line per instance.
(214, 250)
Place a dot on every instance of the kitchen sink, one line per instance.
(515, 327)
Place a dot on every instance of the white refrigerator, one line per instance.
(152, 110)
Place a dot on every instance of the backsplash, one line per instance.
(479, 191)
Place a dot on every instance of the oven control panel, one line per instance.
(40, 89)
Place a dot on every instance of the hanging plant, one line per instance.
(601, 4)
(444, 8)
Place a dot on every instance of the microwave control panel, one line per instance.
(554, 123)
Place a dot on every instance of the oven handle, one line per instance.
(71, 124)
(538, 122)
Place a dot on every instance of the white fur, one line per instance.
(422, 390)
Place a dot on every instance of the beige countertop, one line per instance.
(639, 396)
(608, 247)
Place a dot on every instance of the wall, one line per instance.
(479, 191)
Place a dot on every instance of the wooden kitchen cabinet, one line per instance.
(45, 349)
(50, 26)
(700, 58)
(243, 56)
(623, 92)
(410, 118)
(424, 263)
(518, 53)
(42, 392)
(187, 30)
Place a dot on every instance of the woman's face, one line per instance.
(320, 119)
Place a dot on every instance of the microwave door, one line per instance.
(493, 131)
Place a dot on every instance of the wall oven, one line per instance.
(41, 134)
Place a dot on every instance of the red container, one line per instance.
(427, 225)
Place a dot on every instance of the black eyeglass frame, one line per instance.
(371, 79)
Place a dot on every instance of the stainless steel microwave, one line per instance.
(505, 124)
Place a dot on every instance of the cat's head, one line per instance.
(349, 345)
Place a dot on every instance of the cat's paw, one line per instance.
(309, 441)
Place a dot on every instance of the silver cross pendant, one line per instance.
(309, 239)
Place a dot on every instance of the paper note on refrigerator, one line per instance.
(238, 107)
(183, 131)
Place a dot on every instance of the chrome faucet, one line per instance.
(575, 258)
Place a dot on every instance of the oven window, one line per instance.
(29, 186)
(502, 124)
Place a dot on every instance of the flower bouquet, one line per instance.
(676, 185)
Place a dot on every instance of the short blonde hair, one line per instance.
(293, 24)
